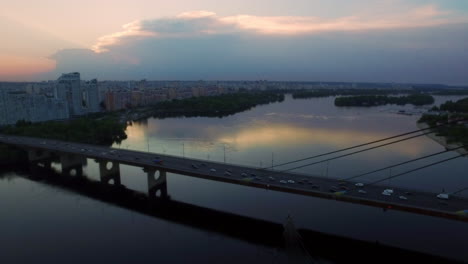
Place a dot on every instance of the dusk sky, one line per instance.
(418, 41)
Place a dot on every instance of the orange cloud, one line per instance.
(206, 22)
(133, 29)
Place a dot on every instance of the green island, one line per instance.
(451, 92)
(454, 112)
(100, 131)
(215, 106)
(304, 94)
(376, 100)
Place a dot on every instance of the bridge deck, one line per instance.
(417, 201)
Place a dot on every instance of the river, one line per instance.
(46, 223)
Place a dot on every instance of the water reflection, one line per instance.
(267, 235)
(289, 130)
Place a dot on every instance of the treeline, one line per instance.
(376, 100)
(451, 92)
(460, 106)
(105, 131)
(303, 94)
(215, 106)
(458, 131)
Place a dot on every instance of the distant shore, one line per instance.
(442, 140)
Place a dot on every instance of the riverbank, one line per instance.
(443, 141)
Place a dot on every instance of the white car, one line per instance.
(362, 191)
(283, 182)
(213, 170)
(291, 181)
(386, 193)
(443, 196)
(244, 174)
(403, 198)
(359, 184)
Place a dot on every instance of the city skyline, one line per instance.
(359, 41)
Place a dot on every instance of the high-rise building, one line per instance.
(82, 97)
(91, 96)
(69, 89)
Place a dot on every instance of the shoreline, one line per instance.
(442, 140)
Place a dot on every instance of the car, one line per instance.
(443, 196)
(244, 174)
(137, 158)
(314, 186)
(386, 193)
(362, 192)
(359, 184)
(227, 173)
(401, 197)
(271, 178)
(291, 181)
(83, 149)
(212, 170)
(158, 161)
(194, 166)
(283, 182)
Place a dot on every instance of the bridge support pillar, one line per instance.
(157, 186)
(72, 163)
(108, 174)
(40, 157)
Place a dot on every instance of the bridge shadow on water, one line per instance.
(260, 232)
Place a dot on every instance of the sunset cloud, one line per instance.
(207, 23)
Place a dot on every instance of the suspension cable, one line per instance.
(355, 152)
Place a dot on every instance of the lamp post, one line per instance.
(224, 148)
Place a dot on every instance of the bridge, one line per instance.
(73, 156)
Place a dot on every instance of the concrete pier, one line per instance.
(72, 163)
(107, 174)
(157, 186)
(40, 157)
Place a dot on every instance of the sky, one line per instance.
(405, 41)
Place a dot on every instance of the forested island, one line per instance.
(215, 106)
(376, 100)
(454, 112)
(304, 94)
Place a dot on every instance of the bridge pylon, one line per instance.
(71, 163)
(108, 174)
(38, 157)
(157, 185)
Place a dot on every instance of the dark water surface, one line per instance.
(40, 222)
